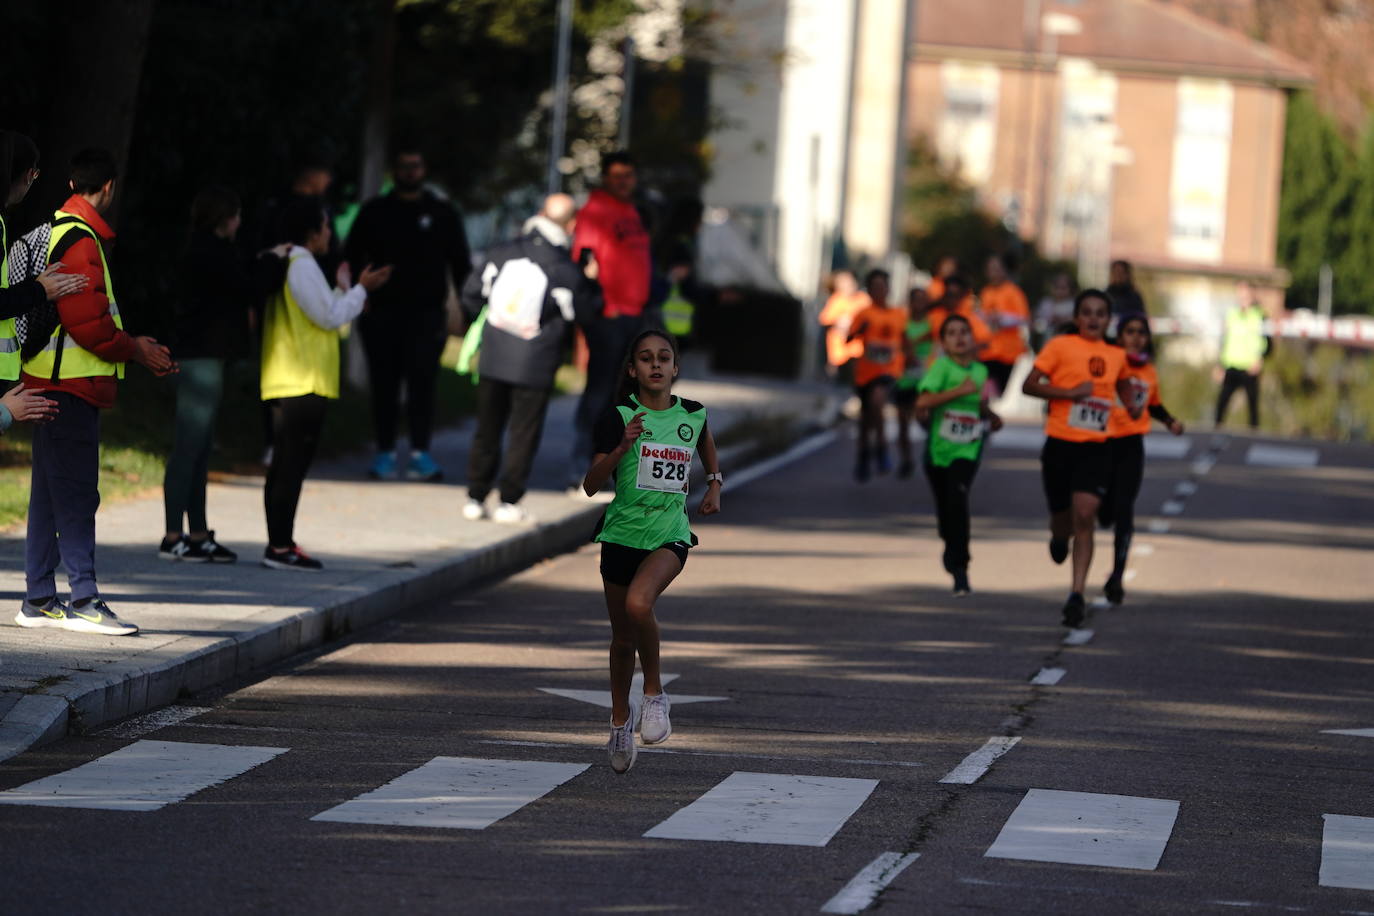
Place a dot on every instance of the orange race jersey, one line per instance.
(1145, 391)
(1005, 309)
(1069, 361)
(837, 316)
(882, 331)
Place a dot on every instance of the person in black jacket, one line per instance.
(1126, 299)
(532, 292)
(217, 290)
(19, 167)
(405, 327)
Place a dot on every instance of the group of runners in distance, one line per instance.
(941, 360)
(942, 357)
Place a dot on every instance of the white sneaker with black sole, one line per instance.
(474, 511)
(621, 746)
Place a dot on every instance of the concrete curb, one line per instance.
(196, 663)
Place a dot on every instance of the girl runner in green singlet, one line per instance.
(646, 442)
(953, 391)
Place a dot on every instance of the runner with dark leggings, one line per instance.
(1126, 445)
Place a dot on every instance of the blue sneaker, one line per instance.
(422, 467)
(383, 466)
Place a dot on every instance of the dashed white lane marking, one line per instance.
(602, 698)
(463, 793)
(859, 894)
(1078, 637)
(861, 761)
(1347, 852)
(1203, 466)
(1185, 488)
(1130, 575)
(1168, 446)
(1357, 732)
(795, 453)
(979, 762)
(769, 808)
(144, 776)
(1143, 550)
(1159, 526)
(1172, 507)
(139, 726)
(1081, 828)
(1048, 677)
(1281, 456)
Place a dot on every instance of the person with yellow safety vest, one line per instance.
(300, 368)
(78, 368)
(1243, 348)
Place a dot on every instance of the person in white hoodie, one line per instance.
(300, 368)
(532, 293)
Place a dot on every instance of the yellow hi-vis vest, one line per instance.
(9, 341)
(298, 356)
(678, 312)
(1244, 344)
(63, 357)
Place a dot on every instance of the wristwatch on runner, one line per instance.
(717, 477)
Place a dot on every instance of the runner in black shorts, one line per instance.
(1081, 375)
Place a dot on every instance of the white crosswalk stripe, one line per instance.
(144, 776)
(1281, 456)
(464, 793)
(769, 808)
(1082, 828)
(1347, 852)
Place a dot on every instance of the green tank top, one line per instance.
(650, 504)
(956, 428)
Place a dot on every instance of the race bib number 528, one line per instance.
(664, 467)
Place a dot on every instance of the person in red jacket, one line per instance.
(78, 368)
(610, 234)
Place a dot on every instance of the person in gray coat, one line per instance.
(533, 293)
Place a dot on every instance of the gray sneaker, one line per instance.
(53, 613)
(654, 724)
(622, 744)
(96, 617)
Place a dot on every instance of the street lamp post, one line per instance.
(559, 129)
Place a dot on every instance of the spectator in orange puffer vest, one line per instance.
(610, 234)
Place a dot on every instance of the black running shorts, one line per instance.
(620, 563)
(1067, 468)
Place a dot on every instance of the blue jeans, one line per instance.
(64, 494)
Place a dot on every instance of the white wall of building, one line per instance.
(779, 163)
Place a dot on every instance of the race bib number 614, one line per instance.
(664, 467)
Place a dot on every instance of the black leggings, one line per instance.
(1118, 507)
(403, 348)
(950, 486)
(1239, 379)
(296, 424)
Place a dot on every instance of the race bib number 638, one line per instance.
(664, 467)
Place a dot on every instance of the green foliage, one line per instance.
(1326, 210)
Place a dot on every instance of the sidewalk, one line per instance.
(385, 546)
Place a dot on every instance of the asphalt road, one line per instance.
(851, 679)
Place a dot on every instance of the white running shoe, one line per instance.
(654, 725)
(474, 511)
(622, 744)
(510, 514)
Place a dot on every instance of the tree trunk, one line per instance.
(377, 121)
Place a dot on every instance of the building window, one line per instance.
(1202, 158)
(967, 134)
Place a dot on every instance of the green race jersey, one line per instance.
(920, 349)
(956, 428)
(650, 504)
